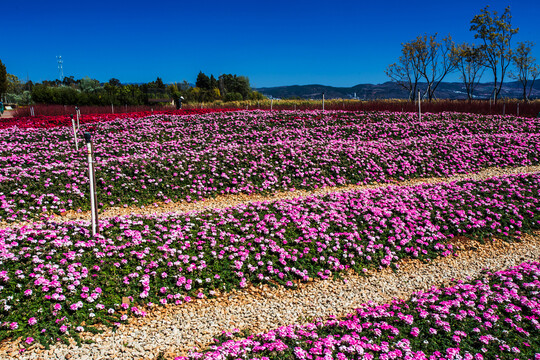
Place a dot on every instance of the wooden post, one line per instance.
(419, 107)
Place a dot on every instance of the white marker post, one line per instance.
(75, 129)
(419, 106)
(92, 178)
(271, 104)
(322, 101)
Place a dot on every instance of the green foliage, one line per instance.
(88, 85)
(17, 92)
(14, 84)
(229, 83)
(3, 79)
(233, 96)
(213, 82)
(203, 81)
(87, 91)
(255, 95)
(25, 98)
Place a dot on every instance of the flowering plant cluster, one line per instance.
(192, 157)
(56, 278)
(496, 317)
(46, 122)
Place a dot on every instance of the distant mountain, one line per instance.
(391, 90)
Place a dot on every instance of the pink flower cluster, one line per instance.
(193, 157)
(57, 276)
(496, 317)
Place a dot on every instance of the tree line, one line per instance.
(87, 91)
(429, 60)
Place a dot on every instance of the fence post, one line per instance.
(419, 106)
(92, 178)
(75, 131)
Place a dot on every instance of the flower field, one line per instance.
(50, 121)
(496, 317)
(57, 280)
(144, 160)
(60, 283)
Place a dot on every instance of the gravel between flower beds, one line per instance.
(226, 201)
(176, 329)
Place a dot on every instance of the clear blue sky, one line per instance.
(339, 43)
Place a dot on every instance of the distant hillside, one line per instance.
(391, 90)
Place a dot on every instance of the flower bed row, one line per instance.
(496, 317)
(173, 158)
(47, 122)
(56, 279)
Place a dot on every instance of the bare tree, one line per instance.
(434, 59)
(406, 71)
(526, 69)
(469, 61)
(495, 32)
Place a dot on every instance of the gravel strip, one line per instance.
(226, 201)
(174, 330)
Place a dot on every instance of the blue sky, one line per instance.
(339, 43)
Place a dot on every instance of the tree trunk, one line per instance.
(495, 93)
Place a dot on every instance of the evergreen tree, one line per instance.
(203, 81)
(3, 80)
